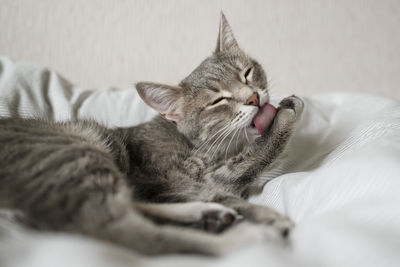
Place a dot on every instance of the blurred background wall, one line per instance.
(305, 46)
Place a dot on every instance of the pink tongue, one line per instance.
(264, 117)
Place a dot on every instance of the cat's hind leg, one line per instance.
(141, 234)
(119, 222)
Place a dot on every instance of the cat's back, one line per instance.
(15, 132)
(27, 145)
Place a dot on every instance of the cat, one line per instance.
(176, 184)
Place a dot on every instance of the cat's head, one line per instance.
(218, 100)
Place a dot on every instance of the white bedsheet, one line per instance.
(339, 180)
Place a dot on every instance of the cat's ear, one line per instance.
(226, 40)
(163, 98)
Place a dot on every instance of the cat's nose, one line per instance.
(253, 100)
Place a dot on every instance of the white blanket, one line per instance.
(339, 180)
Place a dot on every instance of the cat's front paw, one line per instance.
(289, 110)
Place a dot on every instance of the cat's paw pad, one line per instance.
(292, 103)
(217, 220)
(290, 109)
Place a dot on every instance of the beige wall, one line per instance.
(306, 46)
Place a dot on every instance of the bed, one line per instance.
(338, 179)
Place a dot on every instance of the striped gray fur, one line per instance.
(170, 185)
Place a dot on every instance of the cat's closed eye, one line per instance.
(247, 75)
(219, 100)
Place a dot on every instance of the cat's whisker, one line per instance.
(237, 138)
(223, 139)
(217, 139)
(229, 144)
(271, 84)
(210, 139)
(247, 137)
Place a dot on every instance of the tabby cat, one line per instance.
(174, 184)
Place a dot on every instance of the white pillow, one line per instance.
(28, 90)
